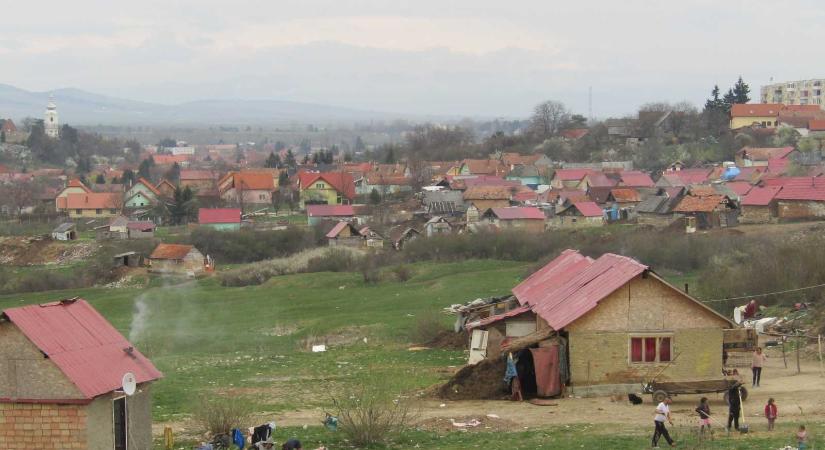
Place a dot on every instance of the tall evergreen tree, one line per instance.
(741, 91)
(290, 159)
(273, 161)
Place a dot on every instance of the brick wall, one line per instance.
(756, 214)
(25, 426)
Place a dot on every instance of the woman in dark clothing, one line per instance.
(734, 407)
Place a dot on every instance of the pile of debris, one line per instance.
(477, 309)
(482, 381)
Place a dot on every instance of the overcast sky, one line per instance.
(458, 57)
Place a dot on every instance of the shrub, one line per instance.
(306, 261)
(402, 272)
(371, 415)
(333, 260)
(248, 245)
(222, 414)
(427, 327)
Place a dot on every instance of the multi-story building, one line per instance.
(803, 92)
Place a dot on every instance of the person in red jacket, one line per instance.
(770, 413)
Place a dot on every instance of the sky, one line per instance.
(473, 58)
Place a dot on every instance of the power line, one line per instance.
(765, 294)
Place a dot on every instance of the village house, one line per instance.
(166, 189)
(142, 194)
(759, 156)
(345, 234)
(383, 184)
(247, 188)
(708, 211)
(757, 115)
(568, 178)
(486, 197)
(657, 210)
(372, 238)
(444, 202)
(198, 180)
(437, 225)
(400, 235)
(528, 219)
(74, 186)
(325, 188)
(617, 321)
(221, 219)
(320, 213)
(492, 167)
(527, 174)
(62, 384)
(578, 215)
(177, 259)
(801, 198)
(759, 205)
(90, 205)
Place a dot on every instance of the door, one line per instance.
(478, 346)
(120, 423)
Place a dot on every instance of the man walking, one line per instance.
(756, 365)
(662, 415)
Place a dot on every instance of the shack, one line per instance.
(526, 218)
(140, 229)
(222, 219)
(610, 324)
(61, 383)
(709, 211)
(65, 232)
(345, 234)
(578, 214)
(177, 259)
(127, 259)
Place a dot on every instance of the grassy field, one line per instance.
(250, 341)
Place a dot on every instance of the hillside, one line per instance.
(80, 107)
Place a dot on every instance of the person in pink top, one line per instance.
(756, 365)
(770, 413)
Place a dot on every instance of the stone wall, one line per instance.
(756, 214)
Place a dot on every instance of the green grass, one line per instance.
(572, 437)
(209, 339)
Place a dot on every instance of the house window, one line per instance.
(319, 185)
(650, 349)
(98, 211)
(120, 423)
(78, 211)
(261, 197)
(113, 211)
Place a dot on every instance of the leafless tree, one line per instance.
(549, 118)
(17, 195)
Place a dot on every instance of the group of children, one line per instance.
(771, 413)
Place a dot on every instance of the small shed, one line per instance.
(65, 232)
(709, 211)
(759, 205)
(372, 238)
(127, 259)
(525, 218)
(345, 234)
(141, 229)
(579, 214)
(61, 382)
(319, 213)
(223, 219)
(177, 259)
(400, 235)
(437, 225)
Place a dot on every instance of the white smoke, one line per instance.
(140, 317)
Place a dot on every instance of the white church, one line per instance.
(50, 122)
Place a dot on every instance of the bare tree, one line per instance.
(17, 195)
(549, 118)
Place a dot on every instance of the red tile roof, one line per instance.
(760, 196)
(816, 125)
(764, 153)
(574, 133)
(163, 160)
(330, 210)
(84, 346)
(488, 193)
(572, 285)
(756, 109)
(518, 212)
(636, 179)
(149, 185)
(589, 209)
(256, 181)
(74, 182)
(171, 251)
(804, 108)
(571, 174)
(484, 166)
(799, 188)
(704, 203)
(625, 195)
(339, 227)
(94, 200)
(485, 180)
(340, 181)
(219, 215)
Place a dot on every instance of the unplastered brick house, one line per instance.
(61, 378)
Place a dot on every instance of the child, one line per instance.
(801, 438)
(704, 415)
(770, 413)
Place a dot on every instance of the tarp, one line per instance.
(546, 363)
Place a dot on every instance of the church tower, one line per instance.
(50, 121)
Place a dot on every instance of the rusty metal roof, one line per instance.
(572, 285)
(171, 251)
(85, 347)
(497, 318)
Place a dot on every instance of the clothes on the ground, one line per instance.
(750, 310)
(757, 375)
(262, 432)
(238, 438)
(660, 431)
(292, 444)
(661, 412)
(770, 410)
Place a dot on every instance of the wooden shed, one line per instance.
(177, 259)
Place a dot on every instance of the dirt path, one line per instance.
(799, 397)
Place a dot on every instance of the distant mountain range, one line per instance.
(79, 107)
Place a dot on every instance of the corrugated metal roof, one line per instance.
(518, 212)
(339, 227)
(636, 179)
(86, 347)
(170, 251)
(499, 317)
(571, 174)
(589, 209)
(330, 210)
(799, 188)
(625, 195)
(219, 215)
(572, 285)
(741, 188)
(760, 196)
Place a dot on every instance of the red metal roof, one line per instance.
(518, 212)
(330, 211)
(799, 188)
(219, 215)
(572, 285)
(339, 227)
(171, 251)
(764, 153)
(87, 348)
(497, 318)
(571, 174)
(760, 196)
(636, 179)
(599, 179)
(589, 209)
(778, 166)
(741, 188)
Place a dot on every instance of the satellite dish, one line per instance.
(129, 383)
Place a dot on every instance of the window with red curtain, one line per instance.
(664, 349)
(650, 349)
(635, 349)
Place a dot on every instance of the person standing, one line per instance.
(734, 407)
(759, 359)
(662, 415)
(801, 438)
(704, 415)
(770, 413)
